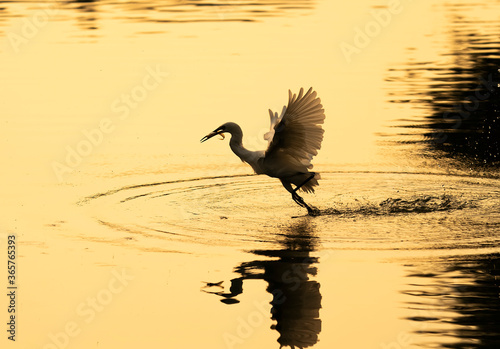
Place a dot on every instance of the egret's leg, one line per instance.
(304, 182)
(296, 197)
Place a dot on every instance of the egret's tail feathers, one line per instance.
(305, 181)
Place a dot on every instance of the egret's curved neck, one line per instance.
(248, 156)
(236, 143)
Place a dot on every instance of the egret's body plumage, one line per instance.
(294, 139)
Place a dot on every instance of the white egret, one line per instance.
(294, 138)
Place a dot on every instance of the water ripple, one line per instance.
(357, 210)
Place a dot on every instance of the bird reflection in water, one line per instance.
(288, 271)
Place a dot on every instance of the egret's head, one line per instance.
(227, 127)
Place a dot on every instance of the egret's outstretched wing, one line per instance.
(275, 118)
(297, 132)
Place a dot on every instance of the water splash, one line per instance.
(397, 205)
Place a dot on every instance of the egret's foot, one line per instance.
(314, 212)
(310, 211)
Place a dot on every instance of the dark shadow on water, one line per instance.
(89, 14)
(453, 105)
(288, 271)
(459, 93)
(456, 302)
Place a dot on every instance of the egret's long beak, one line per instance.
(211, 134)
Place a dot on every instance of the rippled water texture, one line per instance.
(356, 210)
(132, 234)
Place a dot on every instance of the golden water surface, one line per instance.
(132, 234)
